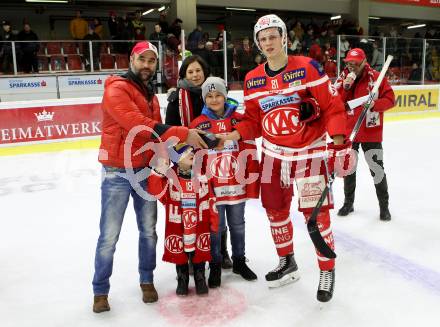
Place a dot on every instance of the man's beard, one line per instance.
(144, 74)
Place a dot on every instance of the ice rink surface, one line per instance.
(387, 273)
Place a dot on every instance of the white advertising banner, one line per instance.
(79, 86)
(29, 88)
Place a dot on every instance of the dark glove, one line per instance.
(309, 110)
(210, 139)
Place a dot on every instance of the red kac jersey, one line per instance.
(272, 105)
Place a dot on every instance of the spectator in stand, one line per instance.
(344, 46)
(201, 51)
(299, 31)
(218, 43)
(415, 76)
(212, 57)
(170, 69)
(6, 48)
(78, 27)
(176, 28)
(96, 46)
(194, 38)
(316, 52)
(308, 39)
(323, 37)
(290, 49)
(245, 58)
(137, 23)
(125, 32)
(99, 29)
(163, 22)
(158, 35)
(259, 59)
(329, 51)
(138, 34)
(113, 25)
(28, 49)
(173, 43)
(377, 57)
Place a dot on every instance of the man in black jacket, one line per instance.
(6, 48)
(29, 49)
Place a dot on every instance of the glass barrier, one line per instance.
(432, 62)
(416, 61)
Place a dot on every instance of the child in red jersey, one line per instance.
(191, 216)
(230, 169)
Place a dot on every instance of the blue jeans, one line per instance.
(235, 215)
(115, 193)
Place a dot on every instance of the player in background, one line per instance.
(291, 104)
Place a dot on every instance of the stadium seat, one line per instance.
(107, 61)
(74, 62)
(53, 48)
(121, 61)
(42, 49)
(69, 48)
(57, 63)
(43, 63)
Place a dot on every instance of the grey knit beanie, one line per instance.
(214, 84)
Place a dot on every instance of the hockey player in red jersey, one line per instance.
(228, 167)
(291, 104)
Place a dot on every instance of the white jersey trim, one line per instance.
(288, 89)
(294, 154)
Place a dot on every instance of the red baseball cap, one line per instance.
(356, 54)
(143, 46)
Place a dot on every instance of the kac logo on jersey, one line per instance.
(174, 244)
(204, 242)
(294, 75)
(189, 218)
(282, 121)
(256, 83)
(224, 166)
(274, 101)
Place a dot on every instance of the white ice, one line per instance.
(387, 273)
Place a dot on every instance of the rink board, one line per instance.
(75, 123)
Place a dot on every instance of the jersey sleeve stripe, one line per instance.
(317, 82)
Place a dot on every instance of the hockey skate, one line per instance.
(326, 285)
(285, 273)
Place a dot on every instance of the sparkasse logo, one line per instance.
(23, 84)
(76, 81)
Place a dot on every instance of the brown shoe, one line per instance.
(149, 293)
(100, 304)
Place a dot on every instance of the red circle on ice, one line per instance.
(219, 307)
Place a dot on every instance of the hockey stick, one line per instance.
(312, 226)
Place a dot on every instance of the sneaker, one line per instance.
(240, 267)
(346, 209)
(285, 273)
(326, 285)
(199, 279)
(149, 293)
(215, 275)
(100, 304)
(182, 280)
(385, 214)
